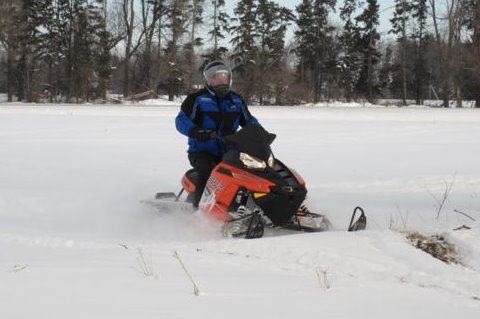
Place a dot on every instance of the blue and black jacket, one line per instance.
(206, 111)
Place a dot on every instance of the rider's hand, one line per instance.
(202, 135)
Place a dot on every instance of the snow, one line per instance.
(72, 227)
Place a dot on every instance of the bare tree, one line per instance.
(9, 13)
(131, 48)
(196, 18)
(448, 46)
(177, 27)
(456, 21)
(476, 50)
(152, 12)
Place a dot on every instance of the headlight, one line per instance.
(271, 161)
(252, 162)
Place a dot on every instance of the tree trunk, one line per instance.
(369, 74)
(129, 21)
(191, 55)
(477, 100)
(476, 44)
(70, 62)
(404, 68)
(126, 72)
(28, 82)
(20, 75)
(104, 78)
(419, 69)
(10, 73)
(458, 95)
(159, 55)
(444, 57)
(215, 35)
(316, 84)
(446, 91)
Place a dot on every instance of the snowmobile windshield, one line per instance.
(253, 140)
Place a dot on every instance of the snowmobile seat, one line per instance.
(190, 180)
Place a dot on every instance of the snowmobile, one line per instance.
(250, 190)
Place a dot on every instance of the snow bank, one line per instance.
(73, 230)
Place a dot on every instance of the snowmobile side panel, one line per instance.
(299, 178)
(222, 188)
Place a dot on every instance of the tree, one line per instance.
(103, 44)
(245, 49)
(419, 13)
(367, 23)
(219, 28)
(473, 48)
(349, 58)
(272, 25)
(450, 62)
(177, 26)
(88, 55)
(399, 21)
(152, 12)
(387, 71)
(476, 46)
(10, 11)
(313, 38)
(195, 12)
(304, 38)
(129, 20)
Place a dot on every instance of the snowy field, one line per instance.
(73, 231)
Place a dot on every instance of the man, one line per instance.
(207, 115)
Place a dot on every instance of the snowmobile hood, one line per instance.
(253, 140)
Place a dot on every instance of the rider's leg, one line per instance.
(203, 163)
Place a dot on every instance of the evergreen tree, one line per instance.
(245, 49)
(11, 25)
(100, 41)
(218, 30)
(26, 45)
(89, 49)
(58, 43)
(272, 25)
(476, 45)
(349, 60)
(386, 73)
(177, 26)
(419, 13)
(314, 39)
(367, 23)
(304, 37)
(195, 12)
(473, 26)
(399, 21)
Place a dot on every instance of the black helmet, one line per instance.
(217, 71)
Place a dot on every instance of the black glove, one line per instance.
(202, 135)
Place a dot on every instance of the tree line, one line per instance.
(94, 50)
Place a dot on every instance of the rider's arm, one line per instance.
(246, 118)
(184, 120)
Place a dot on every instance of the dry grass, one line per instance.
(436, 246)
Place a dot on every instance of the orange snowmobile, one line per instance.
(250, 190)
